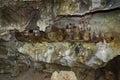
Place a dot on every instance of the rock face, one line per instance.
(61, 53)
(63, 75)
(19, 13)
(100, 36)
(102, 47)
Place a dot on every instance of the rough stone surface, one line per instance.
(19, 56)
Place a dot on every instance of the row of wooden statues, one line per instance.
(69, 33)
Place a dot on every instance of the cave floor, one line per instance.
(37, 75)
(29, 75)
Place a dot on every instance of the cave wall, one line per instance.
(17, 14)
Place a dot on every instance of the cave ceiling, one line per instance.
(19, 12)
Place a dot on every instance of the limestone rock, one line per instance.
(63, 75)
(54, 76)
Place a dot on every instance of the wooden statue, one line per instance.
(86, 35)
